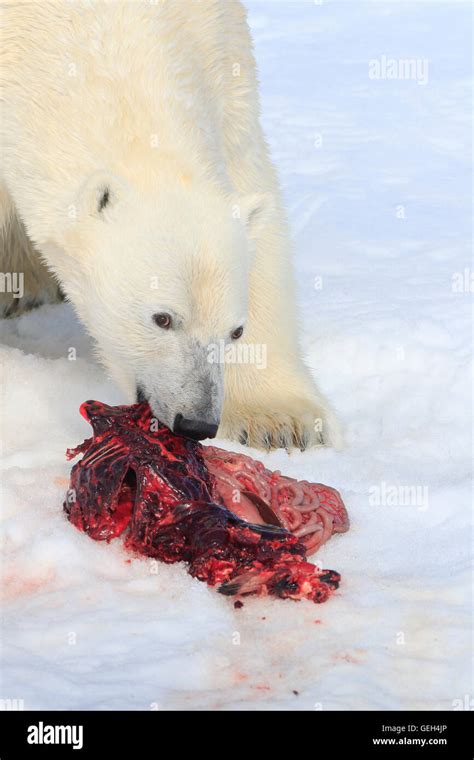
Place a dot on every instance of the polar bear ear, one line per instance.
(100, 193)
(255, 211)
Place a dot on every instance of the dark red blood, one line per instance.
(169, 494)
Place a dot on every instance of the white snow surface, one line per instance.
(376, 177)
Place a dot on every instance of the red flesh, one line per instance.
(178, 500)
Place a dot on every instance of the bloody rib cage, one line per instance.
(224, 514)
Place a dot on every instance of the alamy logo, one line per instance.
(12, 282)
(237, 353)
(12, 704)
(415, 69)
(41, 734)
(389, 495)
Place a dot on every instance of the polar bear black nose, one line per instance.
(197, 429)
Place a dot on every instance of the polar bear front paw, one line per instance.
(293, 426)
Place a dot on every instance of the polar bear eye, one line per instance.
(163, 320)
(237, 333)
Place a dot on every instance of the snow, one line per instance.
(376, 177)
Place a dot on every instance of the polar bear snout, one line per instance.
(197, 429)
(186, 391)
(199, 421)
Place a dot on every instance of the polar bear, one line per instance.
(136, 180)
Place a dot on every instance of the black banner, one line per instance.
(378, 734)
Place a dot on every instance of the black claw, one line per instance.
(266, 512)
(243, 438)
(229, 589)
(272, 532)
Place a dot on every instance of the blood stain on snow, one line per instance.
(354, 659)
(16, 586)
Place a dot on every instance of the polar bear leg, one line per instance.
(276, 402)
(25, 281)
(272, 401)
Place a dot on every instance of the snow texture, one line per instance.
(376, 176)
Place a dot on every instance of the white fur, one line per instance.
(157, 103)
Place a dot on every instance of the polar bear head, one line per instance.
(158, 278)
